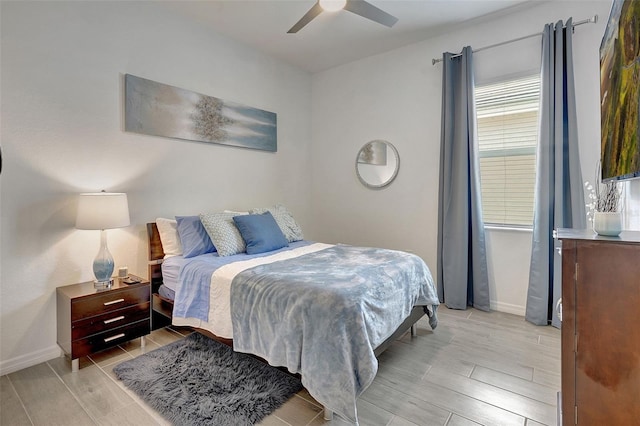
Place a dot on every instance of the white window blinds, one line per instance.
(507, 137)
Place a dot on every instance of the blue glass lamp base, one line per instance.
(103, 264)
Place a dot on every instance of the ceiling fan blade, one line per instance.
(308, 17)
(369, 11)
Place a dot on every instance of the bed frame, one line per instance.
(162, 307)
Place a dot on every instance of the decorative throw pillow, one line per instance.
(260, 232)
(169, 237)
(223, 233)
(285, 221)
(194, 238)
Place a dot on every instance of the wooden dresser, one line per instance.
(600, 328)
(90, 320)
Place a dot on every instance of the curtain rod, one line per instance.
(592, 20)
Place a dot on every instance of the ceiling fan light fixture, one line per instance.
(332, 5)
(359, 7)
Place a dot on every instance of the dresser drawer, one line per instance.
(110, 338)
(109, 320)
(109, 301)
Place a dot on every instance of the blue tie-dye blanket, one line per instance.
(323, 314)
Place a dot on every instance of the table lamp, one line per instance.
(102, 211)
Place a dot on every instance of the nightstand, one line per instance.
(90, 319)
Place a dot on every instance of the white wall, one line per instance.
(631, 209)
(62, 67)
(397, 96)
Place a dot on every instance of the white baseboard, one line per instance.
(28, 360)
(508, 308)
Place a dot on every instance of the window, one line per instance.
(507, 115)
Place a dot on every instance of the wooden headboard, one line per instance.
(156, 254)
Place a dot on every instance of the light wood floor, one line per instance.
(476, 368)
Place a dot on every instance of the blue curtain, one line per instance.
(462, 260)
(559, 193)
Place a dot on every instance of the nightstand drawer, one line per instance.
(109, 320)
(109, 301)
(110, 338)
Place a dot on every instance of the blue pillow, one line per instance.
(260, 232)
(194, 238)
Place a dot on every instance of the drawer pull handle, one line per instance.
(113, 302)
(109, 321)
(117, 336)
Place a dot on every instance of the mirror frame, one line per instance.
(395, 171)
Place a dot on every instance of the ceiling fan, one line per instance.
(359, 7)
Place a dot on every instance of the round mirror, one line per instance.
(377, 164)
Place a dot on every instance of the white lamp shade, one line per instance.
(102, 210)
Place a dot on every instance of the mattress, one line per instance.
(166, 292)
(171, 271)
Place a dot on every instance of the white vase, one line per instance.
(608, 224)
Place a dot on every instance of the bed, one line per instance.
(309, 307)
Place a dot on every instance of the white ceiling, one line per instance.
(334, 38)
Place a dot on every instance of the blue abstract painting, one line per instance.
(158, 109)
